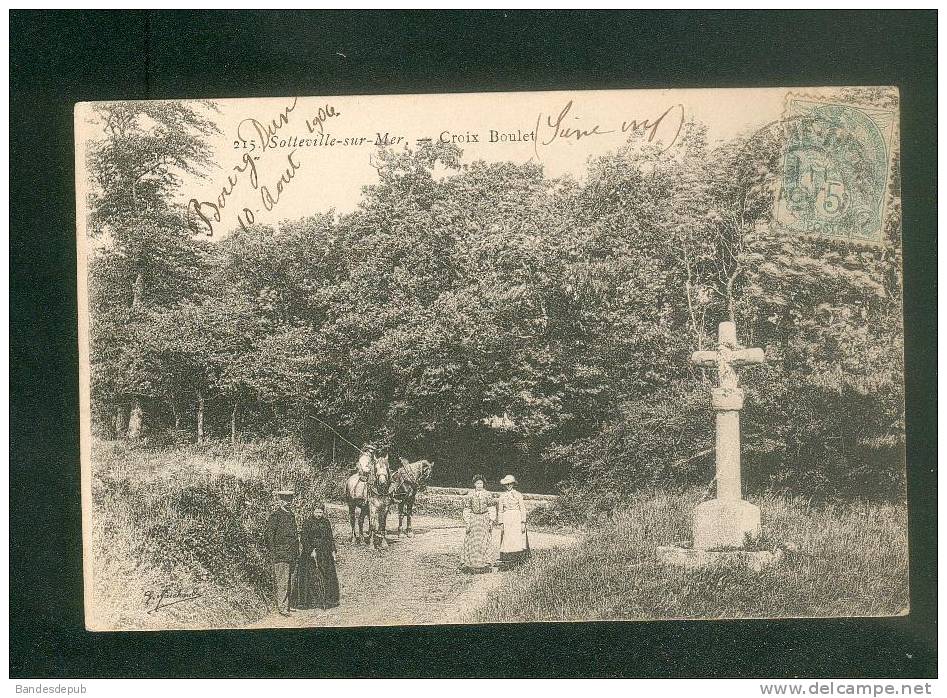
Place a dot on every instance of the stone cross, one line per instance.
(725, 521)
(727, 400)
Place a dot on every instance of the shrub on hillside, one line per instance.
(191, 519)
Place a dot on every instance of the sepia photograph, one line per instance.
(475, 358)
(472, 344)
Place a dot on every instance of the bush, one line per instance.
(796, 437)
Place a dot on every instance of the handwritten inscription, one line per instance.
(264, 131)
(560, 129)
(315, 123)
(251, 133)
(292, 133)
(209, 212)
(564, 126)
(269, 200)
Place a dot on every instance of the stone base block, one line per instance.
(722, 523)
(691, 559)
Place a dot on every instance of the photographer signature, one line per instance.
(168, 596)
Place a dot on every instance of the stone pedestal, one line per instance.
(722, 523)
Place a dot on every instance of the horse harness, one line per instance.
(372, 480)
(368, 477)
(405, 479)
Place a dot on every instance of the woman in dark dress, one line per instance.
(316, 581)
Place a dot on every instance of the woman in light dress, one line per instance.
(511, 514)
(478, 554)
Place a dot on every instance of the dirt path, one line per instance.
(416, 581)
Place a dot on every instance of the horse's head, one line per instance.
(382, 473)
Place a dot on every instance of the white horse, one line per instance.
(367, 491)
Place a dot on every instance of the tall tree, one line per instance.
(145, 256)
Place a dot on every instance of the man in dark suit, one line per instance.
(282, 541)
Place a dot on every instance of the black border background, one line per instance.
(59, 58)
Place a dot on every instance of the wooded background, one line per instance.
(493, 319)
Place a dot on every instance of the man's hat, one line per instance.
(285, 494)
(508, 480)
(371, 448)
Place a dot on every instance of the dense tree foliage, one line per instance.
(492, 318)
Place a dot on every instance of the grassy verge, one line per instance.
(851, 561)
(188, 522)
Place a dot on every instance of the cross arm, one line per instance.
(706, 359)
(747, 357)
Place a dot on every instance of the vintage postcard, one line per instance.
(497, 357)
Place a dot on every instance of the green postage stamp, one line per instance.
(835, 164)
